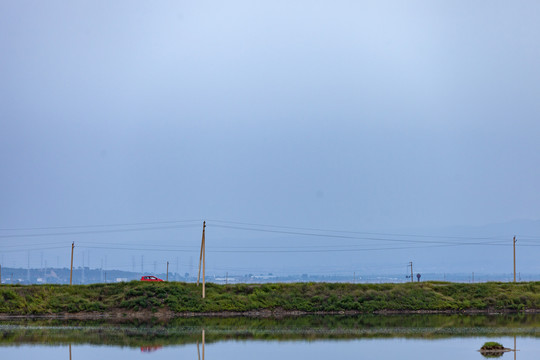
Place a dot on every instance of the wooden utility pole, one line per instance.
(167, 271)
(71, 271)
(203, 260)
(410, 264)
(514, 258)
(203, 272)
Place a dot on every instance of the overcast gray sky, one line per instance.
(355, 115)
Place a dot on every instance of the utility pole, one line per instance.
(410, 264)
(226, 277)
(203, 260)
(514, 258)
(0, 274)
(71, 271)
(167, 271)
(473, 277)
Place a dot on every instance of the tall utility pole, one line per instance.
(514, 258)
(410, 264)
(71, 271)
(167, 271)
(203, 260)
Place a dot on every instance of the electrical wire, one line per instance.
(99, 225)
(96, 231)
(355, 232)
(346, 236)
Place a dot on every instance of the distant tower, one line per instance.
(82, 272)
(28, 269)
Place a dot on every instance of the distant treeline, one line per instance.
(177, 299)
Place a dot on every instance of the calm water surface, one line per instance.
(441, 349)
(420, 337)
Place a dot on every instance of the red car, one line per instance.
(150, 278)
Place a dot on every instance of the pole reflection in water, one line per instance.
(198, 351)
(515, 349)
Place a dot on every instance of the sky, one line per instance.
(365, 116)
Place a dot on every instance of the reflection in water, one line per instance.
(198, 351)
(150, 348)
(150, 336)
(515, 348)
(448, 348)
(69, 351)
(497, 353)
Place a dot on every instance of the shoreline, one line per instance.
(169, 315)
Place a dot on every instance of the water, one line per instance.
(368, 337)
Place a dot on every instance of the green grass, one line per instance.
(305, 297)
(492, 345)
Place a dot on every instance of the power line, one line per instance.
(358, 232)
(350, 237)
(99, 225)
(96, 231)
(307, 250)
(37, 249)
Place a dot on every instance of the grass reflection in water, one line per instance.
(188, 330)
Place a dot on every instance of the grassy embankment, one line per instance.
(175, 297)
